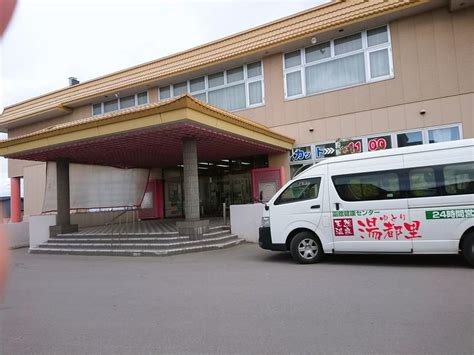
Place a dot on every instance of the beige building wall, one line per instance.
(35, 187)
(433, 58)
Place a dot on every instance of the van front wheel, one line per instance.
(468, 248)
(306, 248)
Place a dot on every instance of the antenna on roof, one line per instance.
(73, 81)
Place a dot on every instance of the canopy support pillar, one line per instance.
(63, 217)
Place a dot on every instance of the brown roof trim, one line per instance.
(314, 20)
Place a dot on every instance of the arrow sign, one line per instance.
(329, 151)
(325, 150)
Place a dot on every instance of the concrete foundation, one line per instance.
(193, 229)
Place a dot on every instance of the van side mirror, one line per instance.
(267, 207)
(260, 196)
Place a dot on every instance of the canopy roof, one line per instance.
(149, 136)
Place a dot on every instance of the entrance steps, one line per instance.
(137, 244)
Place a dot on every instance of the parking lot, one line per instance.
(241, 300)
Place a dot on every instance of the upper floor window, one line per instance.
(352, 60)
(121, 103)
(233, 89)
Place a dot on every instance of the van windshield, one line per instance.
(300, 190)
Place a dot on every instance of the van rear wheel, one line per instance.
(306, 248)
(468, 248)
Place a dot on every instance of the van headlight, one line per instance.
(265, 222)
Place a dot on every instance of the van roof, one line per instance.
(397, 151)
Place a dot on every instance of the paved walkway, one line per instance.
(242, 300)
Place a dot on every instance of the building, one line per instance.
(5, 207)
(231, 120)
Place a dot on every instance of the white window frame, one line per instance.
(118, 103)
(366, 50)
(246, 81)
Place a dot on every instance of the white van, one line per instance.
(417, 200)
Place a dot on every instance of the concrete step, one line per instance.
(118, 235)
(216, 233)
(139, 246)
(137, 252)
(117, 239)
(221, 227)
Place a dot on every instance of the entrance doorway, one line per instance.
(226, 181)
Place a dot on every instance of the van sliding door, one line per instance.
(369, 211)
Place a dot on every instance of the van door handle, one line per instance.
(337, 206)
(315, 207)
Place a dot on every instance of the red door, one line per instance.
(266, 182)
(152, 206)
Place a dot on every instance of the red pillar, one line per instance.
(15, 200)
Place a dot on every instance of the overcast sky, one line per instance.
(49, 40)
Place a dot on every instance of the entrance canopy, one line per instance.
(149, 136)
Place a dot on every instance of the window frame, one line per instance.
(246, 81)
(118, 103)
(366, 50)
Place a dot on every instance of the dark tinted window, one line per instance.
(368, 186)
(440, 180)
(423, 182)
(300, 190)
(409, 139)
(459, 178)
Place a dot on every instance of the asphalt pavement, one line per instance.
(241, 300)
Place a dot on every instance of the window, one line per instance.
(110, 106)
(229, 98)
(128, 101)
(334, 74)
(96, 109)
(318, 52)
(234, 75)
(165, 92)
(348, 44)
(459, 178)
(422, 182)
(352, 60)
(377, 36)
(440, 180)
(292, 59)
(142, 98)
(409, 139)
(300, 190)
(216, 80)
(368, 186)
(293, 84)
(198, 84)
(254, 69)
(379, 65)
(179, 89)
(443, 134)
(121, 103)
(232, 89)
(298, 169)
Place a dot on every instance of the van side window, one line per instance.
(300, 190)
(368, 186)
(422, 182)
(459, 178)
